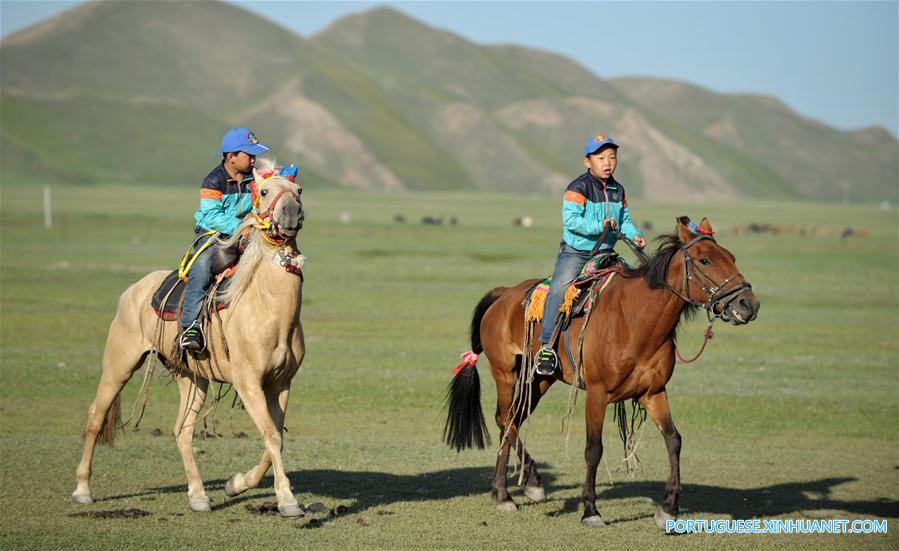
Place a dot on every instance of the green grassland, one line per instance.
(791, 417)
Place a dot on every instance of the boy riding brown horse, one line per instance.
(628, 353)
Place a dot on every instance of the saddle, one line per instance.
(169, 296)
(597, 273)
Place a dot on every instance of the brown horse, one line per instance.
(628, 353)
(257, 347)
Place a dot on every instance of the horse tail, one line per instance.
(485, 303)
(465, 426)
(111, 423)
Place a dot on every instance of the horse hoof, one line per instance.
(662, 518)
(200, 505)
(83, 499)
(507, 506)
(594, 522)
(535, 493)
(291, 511)
(230, 490)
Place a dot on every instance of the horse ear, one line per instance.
(706, 225)
(256, 175)
(683, 229)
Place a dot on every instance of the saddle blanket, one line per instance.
(173, 288)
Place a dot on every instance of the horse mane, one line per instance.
(655, 269)
(252, 257)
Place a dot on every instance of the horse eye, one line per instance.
(705, 261)
(264, 192)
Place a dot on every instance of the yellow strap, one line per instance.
(185, 263)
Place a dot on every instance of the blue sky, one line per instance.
(832, 61)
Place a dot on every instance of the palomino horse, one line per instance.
(628, 352)
(257, 347)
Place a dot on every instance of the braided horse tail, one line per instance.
(465, 426)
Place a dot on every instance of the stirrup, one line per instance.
(545, 361)
(193, 339)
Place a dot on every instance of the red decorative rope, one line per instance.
(708, 337)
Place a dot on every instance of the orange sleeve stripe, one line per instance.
(575, 197)
(213, 194)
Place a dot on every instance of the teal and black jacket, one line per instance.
(223, 202)
(586, 204)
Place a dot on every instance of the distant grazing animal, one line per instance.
(399, 218)
(432, 220)
(523, 221)
(759, 228)
(628, 353)
(860, 233)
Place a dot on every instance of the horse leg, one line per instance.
(533, 483)
(241, 482)
(505, 391)
(120, 360)
(193, 395)
(656, 406)
(595, 410)
(255, 403)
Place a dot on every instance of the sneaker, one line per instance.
(546, 361)
(192, 338)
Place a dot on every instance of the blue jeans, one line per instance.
(198, 278)
(569, 264)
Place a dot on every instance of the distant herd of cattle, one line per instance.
(748, 229)
(802, 231)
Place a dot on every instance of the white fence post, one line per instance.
(48, 210)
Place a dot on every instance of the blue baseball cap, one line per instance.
(241, 139)
(597, 142)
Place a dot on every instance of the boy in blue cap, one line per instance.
(225, 199)
(593, 199)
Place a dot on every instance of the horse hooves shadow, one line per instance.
(368, 490)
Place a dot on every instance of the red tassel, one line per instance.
(468, 358)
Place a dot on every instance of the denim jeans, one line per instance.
(198, 278)
(569, 264)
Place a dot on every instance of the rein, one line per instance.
(606, 228)
(713, 289)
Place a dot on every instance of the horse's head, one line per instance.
(276, 201)
(710, 276)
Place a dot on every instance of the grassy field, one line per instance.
(792, 417)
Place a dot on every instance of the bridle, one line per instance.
(266, 224)
(719, 296)
(264, 220)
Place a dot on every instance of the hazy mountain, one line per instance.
(141, 91)
(813, 158)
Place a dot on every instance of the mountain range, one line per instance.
(140, 92)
